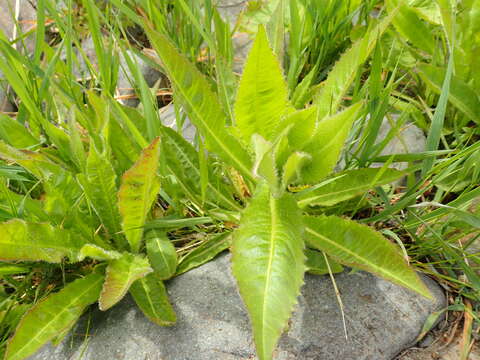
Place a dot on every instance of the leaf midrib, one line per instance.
(48, 323)
(208, 129)
(273, 226)
(379, 269)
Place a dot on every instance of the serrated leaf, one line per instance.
(461, 95)
(360, 246)
(121, 273)
(327, 143)
(181, 159)
(25, 241)
(262, 94)
(348, 184)
(317, 264)
(98, 253)
(409, 25)
(265, 164)
(205, 252)
(151, 297)
(342, 75)
(268, 264)
(139, 189)
(194, 92)
(302, 124)
(53, 315)
(99, 185)
(162, 254)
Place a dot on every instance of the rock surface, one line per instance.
(168, 118)
(409, 139)
(26, 20)
(381, 319)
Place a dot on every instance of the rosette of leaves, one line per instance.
(93, 216)
(267, 146)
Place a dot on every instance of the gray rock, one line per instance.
(126, 82)
(26, 21)
(168, 118)
(382, 319)
(410, 139)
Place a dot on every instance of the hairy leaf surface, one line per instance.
(262, 93)
(151, 297)
(348, 184)
(269, 264)
(121, 273)
(201, 104)
(21, 240)
(139, 189)
(55, 314)
(360, 246)
(327, 143)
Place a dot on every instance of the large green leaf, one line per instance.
(461, 95)
(162, 254)
(269, 264)
(121, 273)
(54, 315)
(151, 297)
(343, 73)
(139, 189)
(347, 185)
(21, 240)
(201, 104)
(99, 185)
(262, 93)
(15, 133)
(409, 25)
(360, 246)
(205, 252)
(327, 143)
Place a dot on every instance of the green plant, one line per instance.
(106, 183)
(289, 147)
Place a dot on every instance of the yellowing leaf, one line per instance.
(121, 273)
(139, 189)
(357, 245)
(56, 314)
(269, 264)
(262, 93)
(21, 240)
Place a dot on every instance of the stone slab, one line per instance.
(382, 319)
